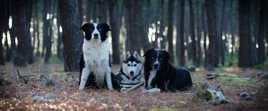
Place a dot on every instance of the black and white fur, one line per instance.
(131, 70)
(159, 73)
(95, 59)
(131, 67)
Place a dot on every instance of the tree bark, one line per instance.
(244, 52)
(71, 36)
(162, 25)
(133, 41)
(212, 58)
(192, 34)
(24, 49)
(170, 30)
(261, 35)
(4, 12)
(2, 60)
(180, 36)
(47, 30)
(115, 32)
(198, 27)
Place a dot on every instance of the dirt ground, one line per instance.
(19, 96)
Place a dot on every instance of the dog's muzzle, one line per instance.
(95, 36)
(156, 65)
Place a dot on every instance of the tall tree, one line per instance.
(21, 22)
(192, 33)
(220, 33)
(198, 27)
(3, 26)
(48, 27)
(162, 25)
(180, 48)
(244, 52)
(212, 57)
(115, 32)
(71, 36)
(261, 34)
(170, 29)
(142, 29)
(133, 42)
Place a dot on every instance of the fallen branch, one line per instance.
(21, 77)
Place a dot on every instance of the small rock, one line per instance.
(70, 80)
(245, 96)
(255, 92)
(50, 82)
(51, 96)
(38, 99)
(263, 75)
(191, 69)
(34, 94)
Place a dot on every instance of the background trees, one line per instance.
(208, 33)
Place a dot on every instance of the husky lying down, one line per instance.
(130, 76)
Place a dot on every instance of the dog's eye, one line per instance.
(128, 64)
(134, 65)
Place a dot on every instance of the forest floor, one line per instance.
(62, 92)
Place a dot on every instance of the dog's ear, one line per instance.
(128, 54)
(86, 27)
(166, 54)
(148, 52)
(104, 27)
(136, 54)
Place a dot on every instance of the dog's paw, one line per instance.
(153, 90)
(81, 88)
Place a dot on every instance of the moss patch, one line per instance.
(233, 79)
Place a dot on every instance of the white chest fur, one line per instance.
(151, 77)
(96, 55)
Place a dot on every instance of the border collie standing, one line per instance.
(159, 73)
(95, 58)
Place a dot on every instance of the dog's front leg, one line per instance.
(84, 77)
(109, 79)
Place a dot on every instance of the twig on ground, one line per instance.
(21, 77)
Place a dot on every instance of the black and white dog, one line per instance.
(130, 72)
(94, 64)
(159, 73)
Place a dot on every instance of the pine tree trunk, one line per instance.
(198, 43)
(2, 60)
(212, 33)
(244, 59)
(71, 36)
(261, 35)
(115, 32)
(170, 30)
(162, 25)
(47, 31)
(192, 33)
(24, 49)
(180, 36)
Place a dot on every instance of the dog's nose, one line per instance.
(131, 73)
(95, 36)
(155, 66)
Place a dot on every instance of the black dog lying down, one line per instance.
(159, 73)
